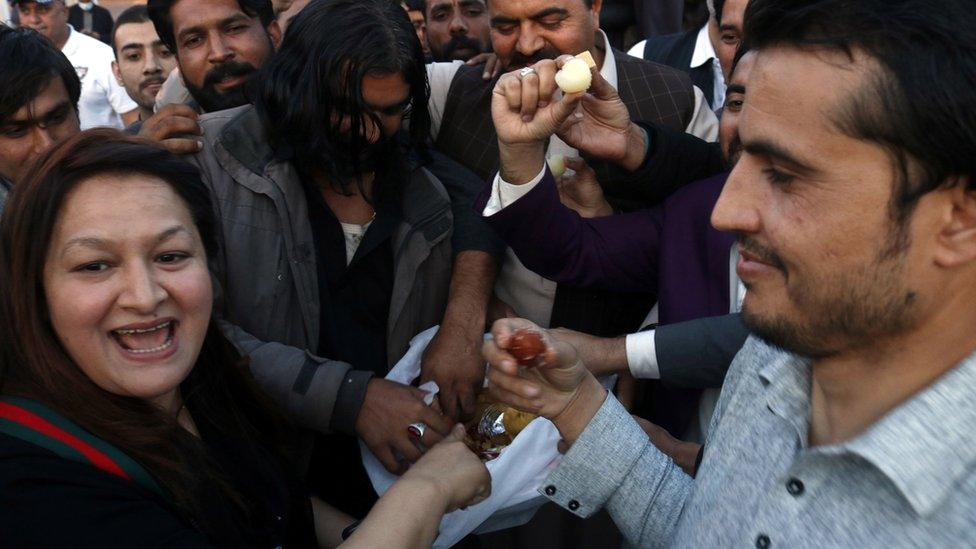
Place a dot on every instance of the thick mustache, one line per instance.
(764, 253)
(460, 41)
(227, 70)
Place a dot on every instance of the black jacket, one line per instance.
(676, 51)
(101, 21)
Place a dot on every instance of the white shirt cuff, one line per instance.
(504, 194)
(642, 356)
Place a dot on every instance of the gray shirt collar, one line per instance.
(925, 446)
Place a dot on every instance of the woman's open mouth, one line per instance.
(147, 340)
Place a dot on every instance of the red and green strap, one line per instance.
(37, 424)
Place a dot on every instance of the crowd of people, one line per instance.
(222, 223)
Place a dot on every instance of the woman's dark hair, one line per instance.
(29, 63)
(920, 104)
(316, 78)
(33, 363)
(159, 12)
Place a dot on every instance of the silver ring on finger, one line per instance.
(417, 429)
(525, 71)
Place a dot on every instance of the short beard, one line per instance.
(848, 311)
(210, 99)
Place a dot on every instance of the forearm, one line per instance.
(407, 516)
(329, 523)
(612, 464)
(471, 285)
(601, 355)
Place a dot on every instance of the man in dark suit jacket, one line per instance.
(95, 21)
(461, 100)
(705, 53)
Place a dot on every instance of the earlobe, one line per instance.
(957, 239)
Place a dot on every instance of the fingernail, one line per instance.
(199, 145)
(526, 118)
(542, 104)
(531, 392)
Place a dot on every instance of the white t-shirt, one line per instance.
(103, 99)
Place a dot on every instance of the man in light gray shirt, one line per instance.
(847, 421)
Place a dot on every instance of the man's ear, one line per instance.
(117, 73)
(274, 32)
(957, 239)
(595, 8)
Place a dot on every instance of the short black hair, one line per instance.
(329, 48)
(160, 16)
(719, 5)
(921, 104)
(30, 61)
(135, 14)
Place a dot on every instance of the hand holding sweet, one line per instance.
(558, 387)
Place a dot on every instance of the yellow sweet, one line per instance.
(557, 164)
(574, 76)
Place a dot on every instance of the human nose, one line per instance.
(43, 140)
(528, 41)
(142, 292)
(458, 25)
(219, 52)
(737, 208)
(152, 64)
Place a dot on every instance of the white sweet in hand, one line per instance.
(557, 165)
(574, 76)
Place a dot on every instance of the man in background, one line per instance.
(143, 61)
(89, 18)
(104, 101)
(39, 93)
(457, 29)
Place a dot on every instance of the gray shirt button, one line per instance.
(795, 487)
(762, 542)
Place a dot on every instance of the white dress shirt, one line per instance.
(103, 99)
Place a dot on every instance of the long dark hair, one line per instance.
(318, 71)
(34, 364)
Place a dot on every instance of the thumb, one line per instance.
(457, 434)
(600, 88)
(576, 163)
(565, 107)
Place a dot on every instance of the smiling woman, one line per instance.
(126, 417)
(113, 377)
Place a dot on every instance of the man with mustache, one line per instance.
(846, 419)
(457, 29)
(143, 61)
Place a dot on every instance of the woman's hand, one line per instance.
(458, 475)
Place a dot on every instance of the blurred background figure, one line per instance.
(457, 29)
(104, 101)
(87, 17)
(415, 11)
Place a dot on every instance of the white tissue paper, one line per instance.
(516, 474)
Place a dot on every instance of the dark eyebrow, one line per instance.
(404, 103)
(736, 88)
(466, 3)
(95, 242)
(42, 117)
(728, 27)
(502, 20)
(132, 46)
(767, 148)
(222, 23)
(549, 11)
